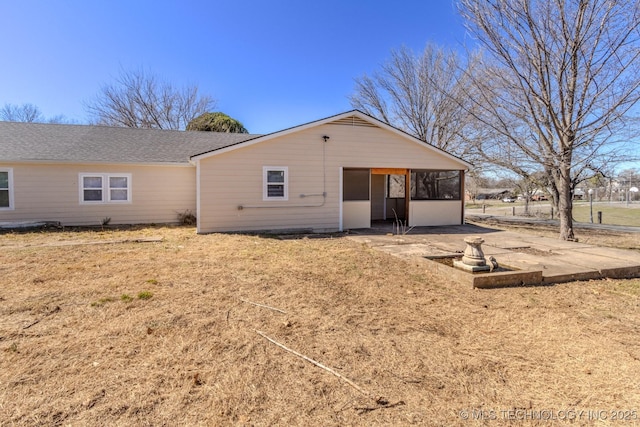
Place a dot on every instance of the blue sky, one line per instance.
(270, 64)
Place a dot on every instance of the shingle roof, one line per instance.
(103, 144)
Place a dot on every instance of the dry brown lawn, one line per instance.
(160, 333)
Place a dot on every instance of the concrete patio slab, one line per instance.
(537, 260)
(618, 254)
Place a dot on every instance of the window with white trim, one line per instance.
(6, 188)
(275, 183)
(105, 188)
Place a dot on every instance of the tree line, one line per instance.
(550, 95)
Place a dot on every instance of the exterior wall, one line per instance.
(228, 180)
(435, 212)
(356, 214)
(50, 192)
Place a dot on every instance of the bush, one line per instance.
(187, 218)
(145, 295)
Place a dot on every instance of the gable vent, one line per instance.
(353, 121)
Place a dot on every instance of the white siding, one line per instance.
(50, 192)
(435, 212)
(233, 179)
(356, 214)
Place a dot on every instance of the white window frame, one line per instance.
(9, 172)
(266, 183)
(106, 188)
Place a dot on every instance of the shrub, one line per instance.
(187, 218)
(145, 295)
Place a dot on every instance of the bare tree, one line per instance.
(422, 95)
(28, 113)
(564, 80)
(140, 100)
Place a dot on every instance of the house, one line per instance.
(490, 194)
(81, 175)
(338, 173)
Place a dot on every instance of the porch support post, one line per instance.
(462, 197)
(407, 194)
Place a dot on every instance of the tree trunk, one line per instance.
(565, 202)
(553, 186)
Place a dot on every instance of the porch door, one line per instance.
(396, 196)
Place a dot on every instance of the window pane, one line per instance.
(118, 182)
(275, 190)
(4, 179)
(275, 176)
(120, 195)
(92, 195)
(4, 198)
(92, 182)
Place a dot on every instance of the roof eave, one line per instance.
(93, 162)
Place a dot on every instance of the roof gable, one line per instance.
(349, 118)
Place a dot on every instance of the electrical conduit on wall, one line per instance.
(302, 196)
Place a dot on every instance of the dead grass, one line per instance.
(190, 354)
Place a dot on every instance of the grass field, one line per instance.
(611, 214)
(119, 328)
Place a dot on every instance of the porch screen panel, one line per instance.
(435, 185)
(355, 184)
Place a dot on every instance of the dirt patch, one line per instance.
(532, 251)
(165, 333)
